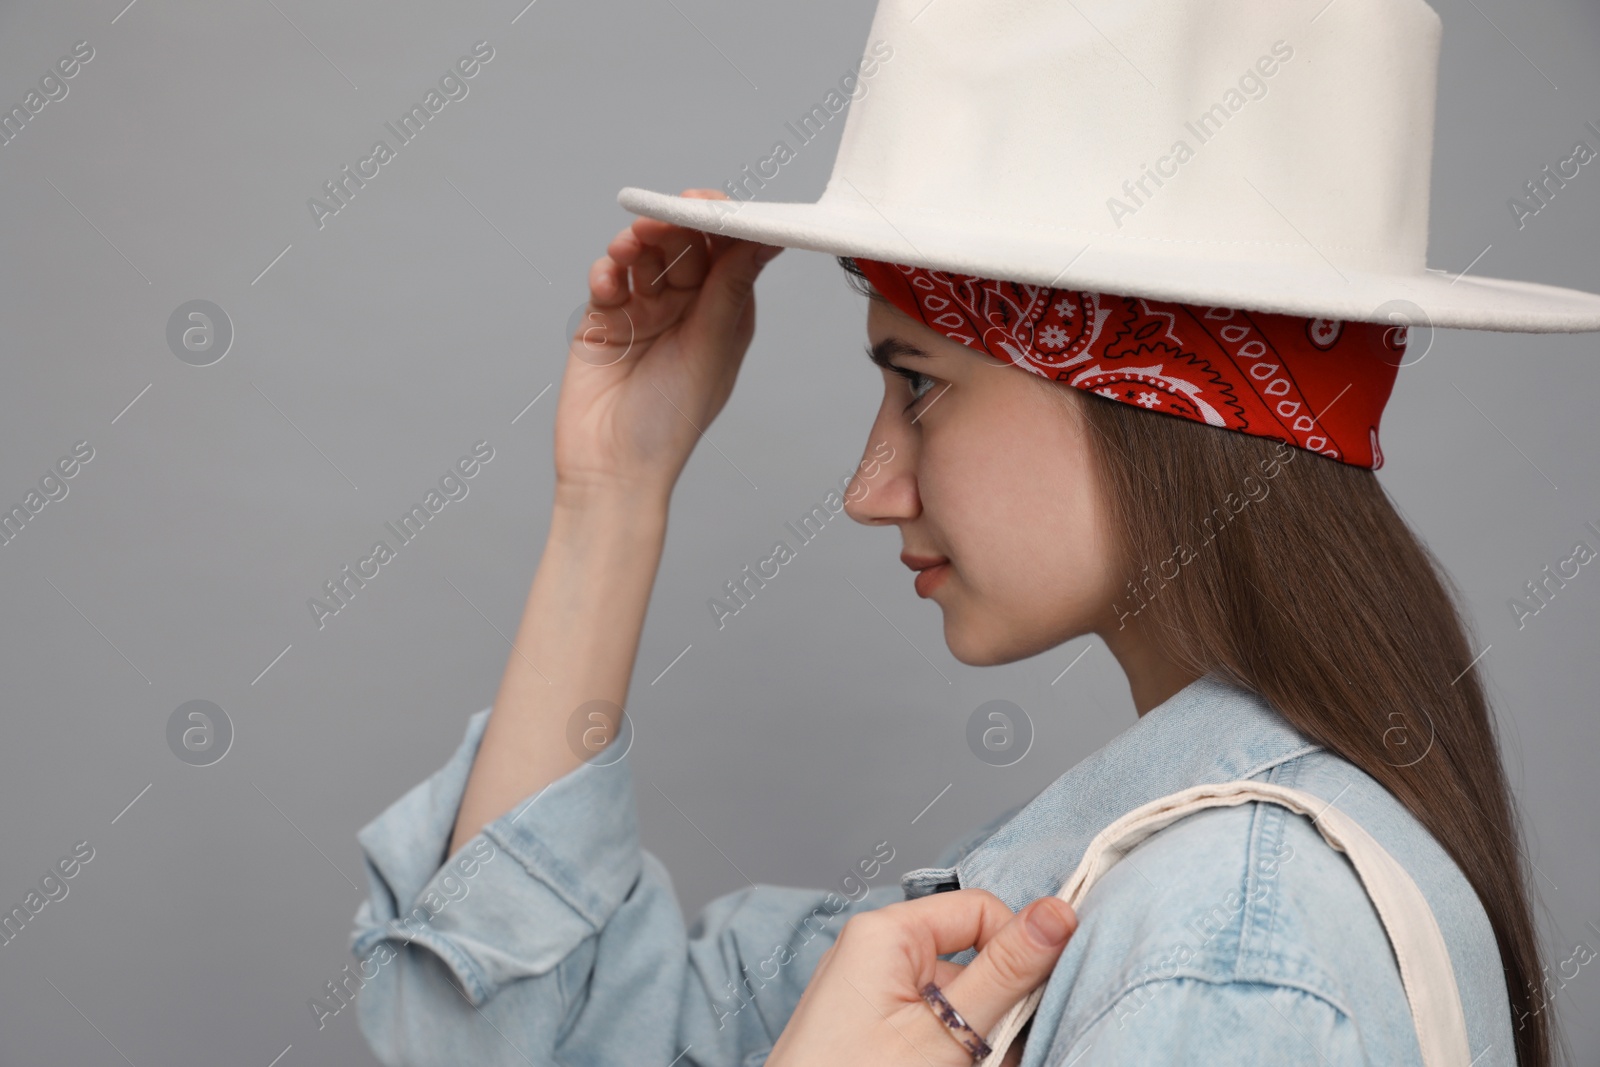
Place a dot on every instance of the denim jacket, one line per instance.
(1236, 935)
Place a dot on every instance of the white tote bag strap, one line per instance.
(1425, 969)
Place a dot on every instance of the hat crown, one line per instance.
(1219, 130)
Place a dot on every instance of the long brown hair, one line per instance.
(1292, 575)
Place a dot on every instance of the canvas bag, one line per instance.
(1430, 982)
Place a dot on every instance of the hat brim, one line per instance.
(1320, 288)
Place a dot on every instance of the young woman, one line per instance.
(1275, 618)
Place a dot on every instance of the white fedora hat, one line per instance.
(1232, 153)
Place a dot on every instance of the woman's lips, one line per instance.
(931, 571)
(930, 578)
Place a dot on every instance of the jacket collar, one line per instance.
(1208, 731)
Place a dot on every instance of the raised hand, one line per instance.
(671, 314)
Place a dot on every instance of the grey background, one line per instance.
(424, 317)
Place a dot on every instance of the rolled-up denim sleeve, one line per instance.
(554, 938)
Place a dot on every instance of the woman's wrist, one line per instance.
(612, 536)
(647, 499)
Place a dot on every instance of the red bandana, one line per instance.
(1320, 384)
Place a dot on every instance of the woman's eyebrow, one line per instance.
(886, 349)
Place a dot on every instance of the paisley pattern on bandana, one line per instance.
(1318, 384)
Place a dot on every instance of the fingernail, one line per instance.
(1047, 925)
(766, 254)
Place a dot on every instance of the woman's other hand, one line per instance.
(863, 1005)
(655, 355)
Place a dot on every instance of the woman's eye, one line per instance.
(920, 384)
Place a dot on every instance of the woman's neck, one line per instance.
(1152, 678)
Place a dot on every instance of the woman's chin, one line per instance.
(971, 646)
(979, 646)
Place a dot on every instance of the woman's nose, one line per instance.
(884, 486)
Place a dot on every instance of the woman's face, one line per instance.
(993, 474)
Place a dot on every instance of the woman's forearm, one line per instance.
(577, 643)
